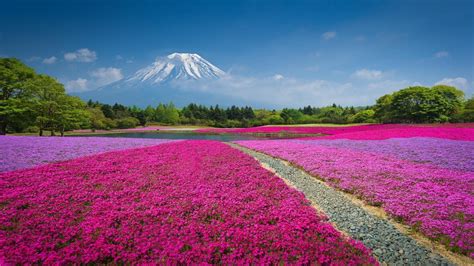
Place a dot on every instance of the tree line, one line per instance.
(31, 102)
(107, 116)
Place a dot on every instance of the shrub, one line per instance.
(31, 129)
(365, 116)
(127, 122)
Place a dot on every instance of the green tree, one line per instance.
(72, 114)
(453, 96)
(150, 114)
(97, 118)
(332, 114)
(127, 122)
(49, 102)
(425, 105)
(364, 116)
(167, 113)
(14, 97)
(467, 114)
(382, 108)
(291, 116)
(107, 110)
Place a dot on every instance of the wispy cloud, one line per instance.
(278, 77)
(459, 82)
(368, 74)
(329, 35)
(286, 92)
(441, 54)
(82, 55)
(97, 78)
(50, 60)
(77, 85)
(386, 86)
(103, 76)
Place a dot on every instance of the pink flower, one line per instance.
(189, 202)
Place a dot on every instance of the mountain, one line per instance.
(176, 66)
(176, 77)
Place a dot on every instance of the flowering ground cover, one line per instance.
(456, 125)
(186, 202)
(22, 152)
(444, 153)
(300, 129)
(453, 133)
(436, 201)
(375, 131)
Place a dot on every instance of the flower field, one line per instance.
(185, 202)
(451, 154)
(452, 133)
(23, 152)
(434, 197)
(300, 129)
(363, 132)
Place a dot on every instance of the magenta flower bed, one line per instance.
(452, 154)
(466, 134)
(190, 202)
(300, 129)
(23, 152)
(364, 132)
(439, 202)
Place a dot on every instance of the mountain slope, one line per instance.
(176, 66)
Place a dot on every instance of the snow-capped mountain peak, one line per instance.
(177, 66)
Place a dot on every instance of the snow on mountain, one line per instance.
(176, 77)
(176, 66)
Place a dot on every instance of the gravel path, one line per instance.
(388, 244)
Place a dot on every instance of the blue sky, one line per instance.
(349, 52)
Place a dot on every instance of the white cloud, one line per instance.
(49, 60)
(98, 78)
(386, 86)
(329, 35)
(360, 38)
(77, 85)
(441, 54)
(278, 77)
(460, 83)
(287, 92)
(103, 76)
(82, 55)
(368, 74)
(292, 92)
(119, 57)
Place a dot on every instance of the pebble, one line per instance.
(389, 245)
